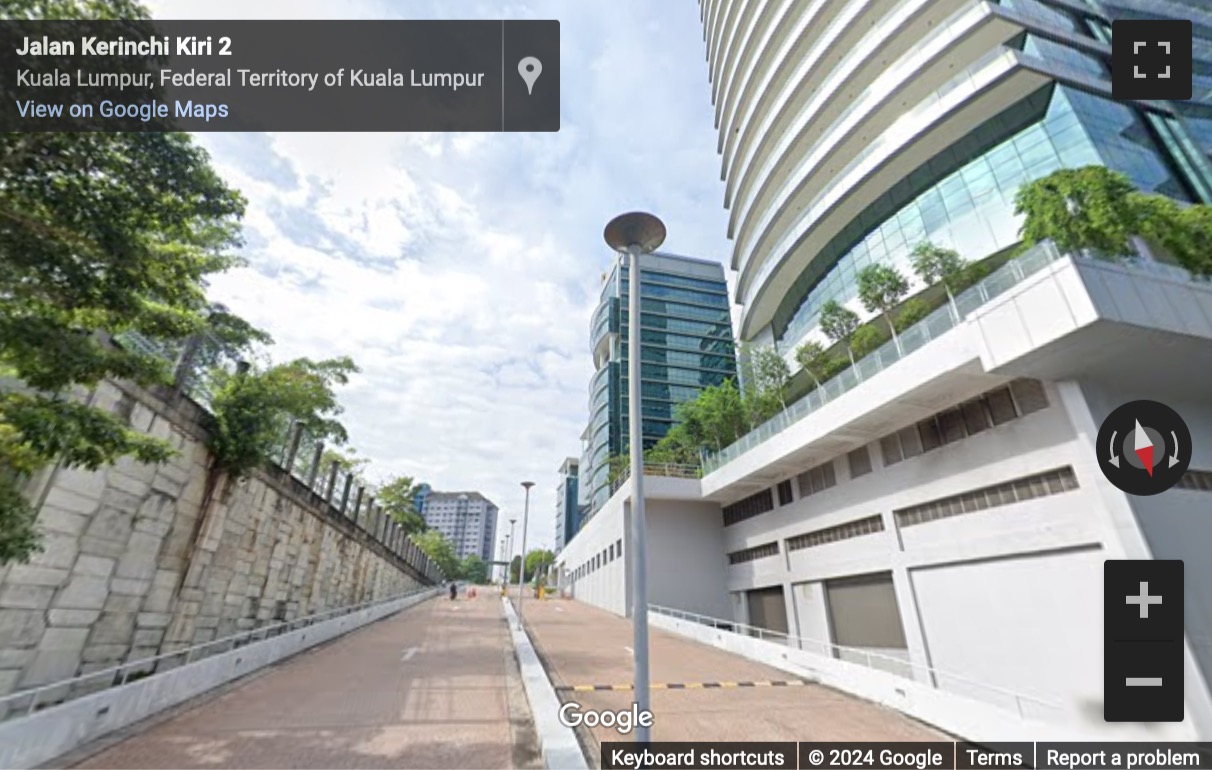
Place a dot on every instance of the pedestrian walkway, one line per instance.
(741, 700)
(432, 687)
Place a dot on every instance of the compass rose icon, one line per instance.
(1144, 447)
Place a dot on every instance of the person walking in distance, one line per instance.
(454, 591)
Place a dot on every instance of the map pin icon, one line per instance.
(530, 68)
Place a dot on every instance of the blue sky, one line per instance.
(460, 270)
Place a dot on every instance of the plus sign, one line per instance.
(1144, 600)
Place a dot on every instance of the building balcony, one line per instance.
(1043, 315)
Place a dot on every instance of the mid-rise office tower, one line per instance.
(568, 509)
(686, 345)
(467, 519)
(938, 508)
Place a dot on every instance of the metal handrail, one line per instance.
(123, 671)
(667, 470)
(898, 663)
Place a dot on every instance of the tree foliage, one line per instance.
(881, 288)
(1083, 210)
(866, 339)
(911, 312)
(839, 323)
(537, 561)
(813, 359)
(253, 410)
(474, 570)
(398, 497)
(1097, 211)
(440, 551)
(769, 377)
(101, 234)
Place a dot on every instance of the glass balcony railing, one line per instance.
(929, 328)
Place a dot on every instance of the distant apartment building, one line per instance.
(686, 346)
(568, 508)
(467, 519)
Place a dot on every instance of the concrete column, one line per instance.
(911, 622)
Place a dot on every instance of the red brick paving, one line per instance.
(359, 702)
(583, 645)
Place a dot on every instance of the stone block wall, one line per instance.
(133, 566)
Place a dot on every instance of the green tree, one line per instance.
(70, 10)
(881, 288)
(771, 374)
(253, 409)
(440, 551)
(1091, 210)
(100, 234)
(937, 264)
(675, 448)
(723, 414)
(398, 497)
(474, 570)
(617, 465)
(537, 562)
(1184, 232)
(813, 359)
(839, 324)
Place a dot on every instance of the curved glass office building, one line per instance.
(686, 345)
(852, 130)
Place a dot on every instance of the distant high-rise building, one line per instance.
(686, 346)
(467, 519)
(420, 496)
(568, 507)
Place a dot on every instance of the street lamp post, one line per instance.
(522, 559)
(636, 233)
(509, 553)
(501, 554)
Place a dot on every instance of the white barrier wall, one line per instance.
(964, 718)
(686, 560)
(36, 739)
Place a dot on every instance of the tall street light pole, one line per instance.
(637, 233)
(509, 553)
(522, 562)
(500, 557)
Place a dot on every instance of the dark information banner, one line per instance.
(924, 755)
(474, 76)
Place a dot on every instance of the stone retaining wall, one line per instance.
(131, 567)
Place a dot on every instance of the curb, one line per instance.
(558, 743)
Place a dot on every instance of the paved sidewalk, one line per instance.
(432, 687)
(582, 645)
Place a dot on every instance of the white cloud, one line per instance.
(459, 271)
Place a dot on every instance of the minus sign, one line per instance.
(1144, 681)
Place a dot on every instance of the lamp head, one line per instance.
(636, 228)
(528, 484)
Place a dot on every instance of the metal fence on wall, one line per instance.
(338, 492)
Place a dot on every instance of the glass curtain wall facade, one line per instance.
(568, 510)
(686, 345)
(801, 252)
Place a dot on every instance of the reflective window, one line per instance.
(971, 209)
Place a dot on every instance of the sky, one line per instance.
(459, 271)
